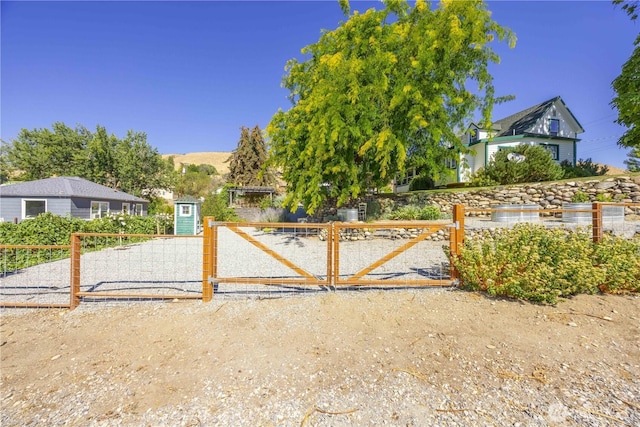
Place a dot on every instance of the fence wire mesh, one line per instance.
(392, 254)
(134, 267)
(270, 259)
(622, 220)
(34, 276)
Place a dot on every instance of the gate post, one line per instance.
(209, 249)
(597, 222)
(456, 236)
(75, 271)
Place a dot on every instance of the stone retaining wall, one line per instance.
(548, 195)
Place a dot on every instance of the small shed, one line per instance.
(186, 216)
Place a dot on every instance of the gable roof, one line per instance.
(520, 122)
(66, 186)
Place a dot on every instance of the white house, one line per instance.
(550, 124)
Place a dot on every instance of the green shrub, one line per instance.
(620, 261)
(412, 212)
(583, 168)
(421, 183)
(540, 265)
(580, 197)
(537, 166)
(217, 206)
(50, 229)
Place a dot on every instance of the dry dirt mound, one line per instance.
(426, 357)
(217, 159)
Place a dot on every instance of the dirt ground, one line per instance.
(427, 357)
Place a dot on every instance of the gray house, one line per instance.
(65, 196)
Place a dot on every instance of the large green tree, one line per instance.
(41, 153)
(197, 180)
(129, 164)
(247, 164)
(627, 88)
(387, 89)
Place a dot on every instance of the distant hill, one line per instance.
(213, 158)
(218, 159)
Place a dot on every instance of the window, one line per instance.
(554, 127)
(139, 209)
(473, 135)
(554, 149)
(126, 208)
(451, 163)
(99, 209)
(185, 210)
(33, 208)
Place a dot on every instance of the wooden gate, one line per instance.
(329, 255)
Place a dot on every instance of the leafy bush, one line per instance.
(412, 212)
(583, 168)
(537, 166)
(580, 197)
(217, 206)
(540, 265)
(421, 183)
(50, 229)
(620, 261)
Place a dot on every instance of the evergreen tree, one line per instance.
(633, 162)
(248, 160)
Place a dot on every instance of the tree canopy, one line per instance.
(387, 89)
(627, 88)
(129, 164)
(247, 164)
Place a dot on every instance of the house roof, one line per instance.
(66, 186)
(520, 122)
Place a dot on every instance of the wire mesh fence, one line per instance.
(125, 267)
(269, 259)
(34, 276)
(392, 254)
(619, 219)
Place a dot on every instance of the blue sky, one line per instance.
(190, 74)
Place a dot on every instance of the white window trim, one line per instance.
(139, 209)
(128, 205)
(24, 207)
(181, 213)
(100, 212)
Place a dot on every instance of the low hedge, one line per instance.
(537, 264)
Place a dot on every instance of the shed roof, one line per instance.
(66, 186)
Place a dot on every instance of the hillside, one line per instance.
(219, 158)
(214, 158)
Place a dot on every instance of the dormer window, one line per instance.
(554, 127)
(473, 135)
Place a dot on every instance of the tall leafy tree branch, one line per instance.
(627, 87)
(388, 88)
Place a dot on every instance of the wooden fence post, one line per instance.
(456, 236)
(74, 284)
(209, 249)
(597, 222)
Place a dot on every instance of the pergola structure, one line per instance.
(234, 192)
